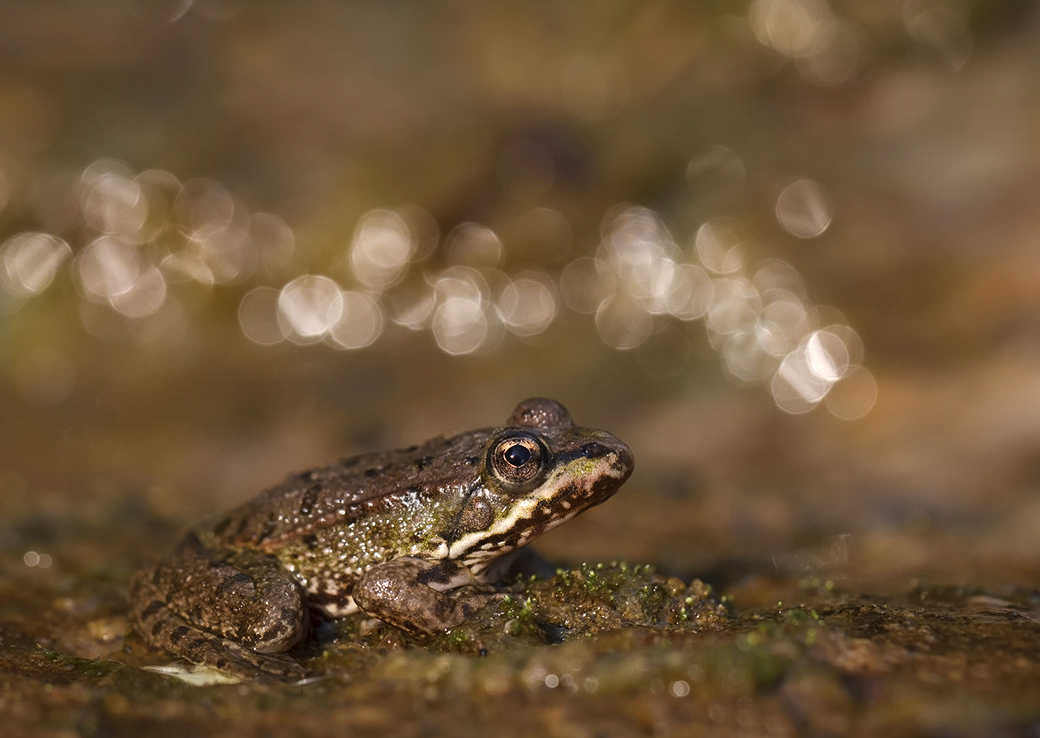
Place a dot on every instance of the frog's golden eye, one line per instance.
(519, 460)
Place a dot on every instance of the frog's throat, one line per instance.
(529, 517)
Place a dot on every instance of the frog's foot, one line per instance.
(233, 611)
(412, 594)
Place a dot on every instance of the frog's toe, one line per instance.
(245, 662)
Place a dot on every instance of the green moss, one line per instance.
(90, 668)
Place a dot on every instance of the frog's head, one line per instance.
(538, 472)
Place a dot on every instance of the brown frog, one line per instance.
(413, 537)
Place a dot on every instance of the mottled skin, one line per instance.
(413, 537)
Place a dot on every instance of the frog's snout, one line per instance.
(618, 453)
(624, 461)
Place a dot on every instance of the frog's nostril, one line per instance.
(592, 450)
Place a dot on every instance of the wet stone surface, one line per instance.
(599, 649)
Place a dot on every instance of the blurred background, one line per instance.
(788, 250)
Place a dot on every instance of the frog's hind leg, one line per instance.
(165, 628)
(234, 611)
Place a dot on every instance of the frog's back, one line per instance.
(349, 489)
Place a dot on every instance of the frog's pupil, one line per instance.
(518, 455)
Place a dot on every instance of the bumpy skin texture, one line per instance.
(413, 537)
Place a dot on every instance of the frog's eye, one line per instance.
(517, 455)
(519, 460)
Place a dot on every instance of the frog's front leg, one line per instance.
(412, 594)
(229, 609)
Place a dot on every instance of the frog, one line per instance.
(419, 538)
